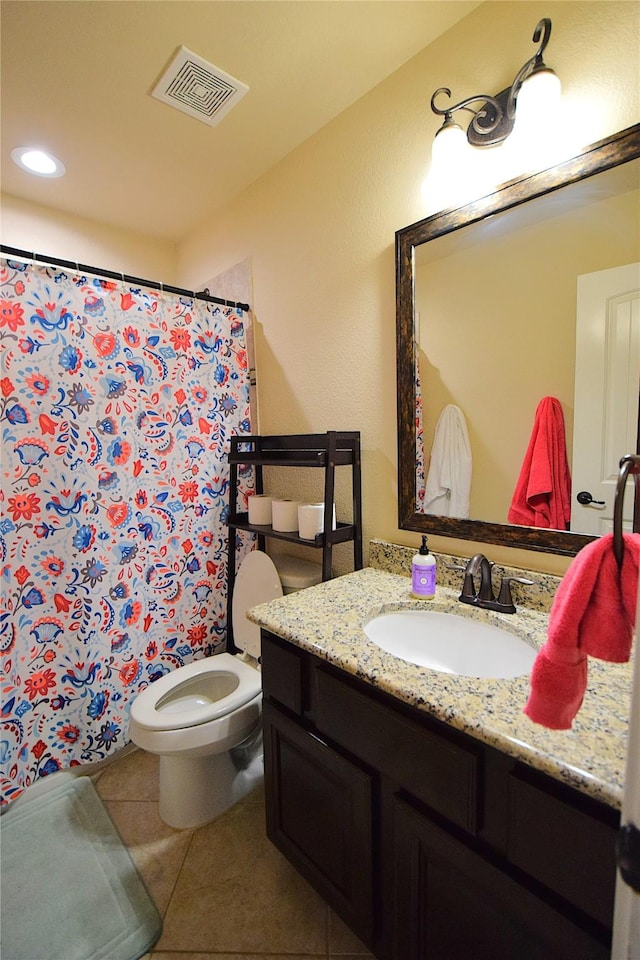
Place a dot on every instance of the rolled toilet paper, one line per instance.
(311, 520)
(259, 509)
(284, 515)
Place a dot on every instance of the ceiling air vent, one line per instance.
(198, 88)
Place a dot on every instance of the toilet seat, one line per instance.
(257, 581)
(197, 693)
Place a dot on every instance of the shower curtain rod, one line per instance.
(134, 281)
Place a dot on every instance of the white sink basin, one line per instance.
(451, 644)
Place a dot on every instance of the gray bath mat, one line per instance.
(70, 890)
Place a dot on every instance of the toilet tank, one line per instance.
(296, 573)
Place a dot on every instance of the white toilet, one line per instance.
(204, 719)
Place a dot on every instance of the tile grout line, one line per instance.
(178, 874)
(325, 950)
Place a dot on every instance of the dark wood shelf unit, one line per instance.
(325, 451)
(343, 533)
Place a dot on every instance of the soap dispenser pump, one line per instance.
(423, 573)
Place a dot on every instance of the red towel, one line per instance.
(593, 613)
(542, 497)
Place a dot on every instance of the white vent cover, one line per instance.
(198, 88)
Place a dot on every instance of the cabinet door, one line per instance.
(571, 851)
(432, 766)
(451, 904)
(319, 815)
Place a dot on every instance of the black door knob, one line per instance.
(585, 498)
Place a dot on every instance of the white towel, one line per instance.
(449, 479)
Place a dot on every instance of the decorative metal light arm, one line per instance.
(541, 35)
(493, 121)
(447, 112)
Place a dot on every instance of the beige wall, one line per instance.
(39, 229)
(319, 228)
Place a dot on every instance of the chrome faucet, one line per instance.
(484, 596)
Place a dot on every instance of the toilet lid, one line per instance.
(257, 581)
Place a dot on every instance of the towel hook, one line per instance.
(629, 465)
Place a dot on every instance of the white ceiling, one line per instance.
(77, 75)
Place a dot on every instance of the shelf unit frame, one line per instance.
(322, 450)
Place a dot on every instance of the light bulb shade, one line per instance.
(451, 166)
(537, 101)
(449, 147)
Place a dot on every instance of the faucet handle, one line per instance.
(468, 587)
(505, 599)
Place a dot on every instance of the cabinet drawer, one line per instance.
(566, 848)
(430, 766)
(282, 674)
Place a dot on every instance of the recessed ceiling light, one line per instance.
(37, 161)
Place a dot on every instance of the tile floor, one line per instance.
(223, 890)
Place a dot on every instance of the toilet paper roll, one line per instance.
(259, 508)
(311, 520)
(284, 515)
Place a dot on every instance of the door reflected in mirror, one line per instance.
(492, 289)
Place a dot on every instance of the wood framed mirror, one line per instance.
(537, 200)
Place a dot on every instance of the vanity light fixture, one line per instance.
(37, 161)
(533, 92)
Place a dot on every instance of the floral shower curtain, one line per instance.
(116, 405)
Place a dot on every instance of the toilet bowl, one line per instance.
(204, 719)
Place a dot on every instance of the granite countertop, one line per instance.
(328, 619)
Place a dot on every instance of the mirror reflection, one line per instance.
(496, 318)
(503, 307)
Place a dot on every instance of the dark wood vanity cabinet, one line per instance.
(428, 843)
